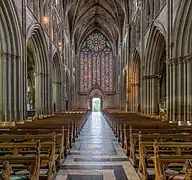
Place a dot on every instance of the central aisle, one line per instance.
(96, 155)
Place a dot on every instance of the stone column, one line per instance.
(179, 96)
(148, 95)
(174, 91)
(134, 94)
(47, 81)
(136, 97)
(16, 86)
(189, 89)
(43, 93)
(22, 87)
(58, 96)
(131, 102)
(185, 105)
(38, 93)
(169, 86)
(155, 93)
(6, 58)
(23, 67)
(2, 56)
(63, 90)
(121, 74)
(144, 96)
(49, 105)
(11, 87)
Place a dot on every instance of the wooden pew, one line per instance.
(61, 148)
(33, 163)
(165, 149)
(62, 138)
(136, 138)
(162, 162)
(40, 129)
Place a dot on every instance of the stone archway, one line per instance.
(56, 83)
(38, 69)
(133, 83)
(154, 79)
(12, 96)
(95, 93)
(180, 67)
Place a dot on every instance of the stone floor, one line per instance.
(96, 155)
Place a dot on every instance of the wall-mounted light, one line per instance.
(45, 20)
(60, 46)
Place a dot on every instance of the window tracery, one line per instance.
(96, 63)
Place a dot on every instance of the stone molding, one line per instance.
(8, 56)
(134, 84)
(41, 74)
(152, 76)
(180, 60)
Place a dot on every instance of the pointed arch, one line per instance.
(37, 46)
(95, 93)
(36, 37)
(96, 63)
(10, 56)
(56, 77)
(155, 44)
(182, 36)
(154, 76)
(133, 82)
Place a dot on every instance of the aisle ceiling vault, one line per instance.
(84, 16)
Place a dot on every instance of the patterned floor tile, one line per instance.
(97, 155)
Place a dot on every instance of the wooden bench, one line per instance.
(136, 138)
(146, 153)
(163, 162)
(23, 137)
(32, 161)
(61, 144)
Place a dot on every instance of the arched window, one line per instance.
(96, 63)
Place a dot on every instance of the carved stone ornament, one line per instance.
(6, 171)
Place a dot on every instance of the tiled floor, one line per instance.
(96, 155)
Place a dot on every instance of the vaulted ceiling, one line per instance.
(108, 16)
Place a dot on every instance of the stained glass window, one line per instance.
(96, 63)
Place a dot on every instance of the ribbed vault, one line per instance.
(105, 15)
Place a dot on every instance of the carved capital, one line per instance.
(187, 59)
(152, 76)
(180, 60)
(7, 56)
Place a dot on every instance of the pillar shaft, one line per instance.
(5, 85)
(174, 92)
(189, 89)
(1, 86)
(39, 94)
(169, 96)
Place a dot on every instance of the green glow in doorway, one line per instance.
(96, 104)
